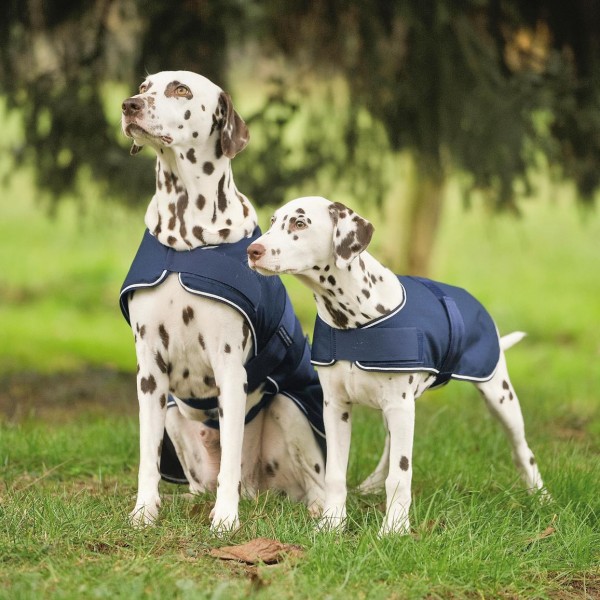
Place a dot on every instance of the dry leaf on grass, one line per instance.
(258, 550)
(546, 533)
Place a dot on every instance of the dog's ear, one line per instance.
(351, 234)
(135, 148)
(234, 133)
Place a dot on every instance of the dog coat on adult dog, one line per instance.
(382, 340)
(202, 334)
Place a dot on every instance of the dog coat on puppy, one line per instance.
(438, 328)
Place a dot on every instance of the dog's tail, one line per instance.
(510, 339)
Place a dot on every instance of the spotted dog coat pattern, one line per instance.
(381, 340)
(281, 361)
(417, 337)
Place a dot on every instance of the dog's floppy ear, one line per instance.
(351, 234)
(234, 133)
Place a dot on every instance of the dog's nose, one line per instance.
(132, 106)
(255, 251)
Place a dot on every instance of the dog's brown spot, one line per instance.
(198, 232)
(208, 167)
(200, 201)
(188, 314)
(191, 155)
(317, 468)
(404, 463)
(532, 461)
(148, 385)
(331, 280)
(505, 385)
(187, 115)
(163, 400)
(186, 373)
(182, 203)
(160, 361)
(171, 240)
(410, 379)
(221, 197)
(201, 341)
(164, 336)
(173, 218)
(345, 417)
(227, 348)
(224, 233)
(366, 293)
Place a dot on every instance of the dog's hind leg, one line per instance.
(376, 480)
(198, 450)
(503, 403)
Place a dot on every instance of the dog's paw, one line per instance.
(394, 526)
(332, 520)
(222, 523)
(144, 515)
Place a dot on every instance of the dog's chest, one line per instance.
(182, 335)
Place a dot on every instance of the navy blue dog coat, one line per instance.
(281, 356)
(439, 328)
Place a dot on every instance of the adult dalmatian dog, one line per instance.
(382, 340)
(222, 361)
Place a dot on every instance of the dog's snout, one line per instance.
(131, 106)
(256, 251)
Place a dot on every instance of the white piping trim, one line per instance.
(224, 300)
(135, 286)
(388, 316)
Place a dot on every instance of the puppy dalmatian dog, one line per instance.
(222, 361)
(382, 340)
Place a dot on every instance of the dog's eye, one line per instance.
(182, 90)
(300, 224)
(143, 88)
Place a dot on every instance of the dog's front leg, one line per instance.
(231, 381)
(399, 412)
(337, 415)
(153, 386)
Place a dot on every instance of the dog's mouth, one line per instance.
(136, 131)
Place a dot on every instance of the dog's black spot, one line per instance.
(188, 314)
(505, 385)
(186, 373)
(404, 463)
(221, 197)
(410, 379)
(510, 395)
(195, 134)
(191, 155)
(317, 468)
(501, 399)
(187, 115)
(227, 348)
(366, 293)
(148, 385)
(245, 333)
(208, 167)
(200, 202)
(201, 341)
(322, 278)
(327, 267)
(164, 336)
(403, 395)
(331, 280)
(160, 361)
(345, 417)
(317, 268)
(381, 309)
(163, 400)
(198, 232)
(218, 148)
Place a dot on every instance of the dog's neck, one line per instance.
(196, 202)
(355, 295)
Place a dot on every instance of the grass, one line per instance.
(67, 484)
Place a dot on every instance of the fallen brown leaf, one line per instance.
(546, 533)
(258, 550)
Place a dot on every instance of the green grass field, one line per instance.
(68, 483)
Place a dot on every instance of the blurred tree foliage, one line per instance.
(480, 86)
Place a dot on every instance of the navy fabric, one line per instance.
(281, 358)
(439, 328)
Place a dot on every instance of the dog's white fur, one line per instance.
(304, 240)
(193, 346)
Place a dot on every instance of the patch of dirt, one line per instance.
(55, 397)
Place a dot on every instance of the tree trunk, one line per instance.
(412, 216)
